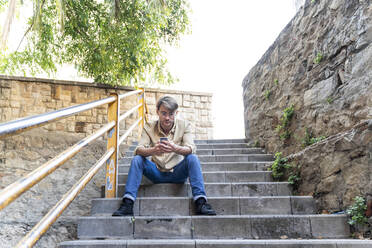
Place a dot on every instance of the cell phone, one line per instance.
(163, 139)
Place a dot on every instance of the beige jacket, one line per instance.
(181, 134)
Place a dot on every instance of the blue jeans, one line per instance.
(189, 167)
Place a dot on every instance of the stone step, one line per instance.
(211, 227)
(226, 151)
(220, 166)
(213, 189)
(223, 158)
(219, 243)
(220, 176)
(219, 141)
(212, 146)
(184, 206)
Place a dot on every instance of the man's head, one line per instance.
(166, 108)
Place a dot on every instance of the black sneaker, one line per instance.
(125, 209)
(203, 208)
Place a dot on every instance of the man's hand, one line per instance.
(168, 146)
(164, 147)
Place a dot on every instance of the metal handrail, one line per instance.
(129, 112)
(125, 135)
(40, 228)
(13, 191)
(21, 125)
(130, 94)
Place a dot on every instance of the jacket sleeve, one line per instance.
(187, 139)
(144, 141)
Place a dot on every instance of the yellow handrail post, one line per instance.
(141, 110)
(112, 142)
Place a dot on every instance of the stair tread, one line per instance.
(200, 243)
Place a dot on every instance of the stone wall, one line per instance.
(21, 97)
(20, 154)
(338, 168)
(321, 64)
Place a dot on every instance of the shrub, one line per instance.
(282, 128)
(356, 212)
(279, 166)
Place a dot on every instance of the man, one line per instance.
(170, 144)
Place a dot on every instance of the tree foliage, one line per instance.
(113, 41)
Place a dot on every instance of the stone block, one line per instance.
(187, 104)
(205, 227)
(165, 190)
(231, 243)
(184, 243)
(253, 189)
(236, 177)
(303, 205)
(4, 103)
(265, 205)
(204, 99)
(222, 205)
(195, 99)
(271, 227)
(5, 93)
(329, 226)
(283, 189)
(105, 227)
(186, 97)
(162, 227)
(109, 205)
(217, 189)
(354, 244)
(301, 227)
(214, 177)
(157, 206)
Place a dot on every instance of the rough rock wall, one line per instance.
(338, 168)
(321, 64)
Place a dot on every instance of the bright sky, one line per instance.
(228, 38)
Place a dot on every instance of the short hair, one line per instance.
(168, 102)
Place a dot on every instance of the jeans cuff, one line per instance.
(129, 197)
(199, 196)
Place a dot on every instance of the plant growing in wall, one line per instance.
(309, 139)
(267, 94)
(318, 58)
(279, 166)
(356, 212)
(330, 100)
(282, 128)
(281, 170)
(294, 178)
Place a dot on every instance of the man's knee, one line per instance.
(192, 159)
(137, 160)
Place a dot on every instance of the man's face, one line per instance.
(166, 117)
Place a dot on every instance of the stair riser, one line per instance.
(223, 158)
(213, 146)
(219, 151)
(221, 177)
(213, 190)
(219, 243)
(223, 206)
(226, 166)
(247, 227)
(220, 141)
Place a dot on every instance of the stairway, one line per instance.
(252, 210)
